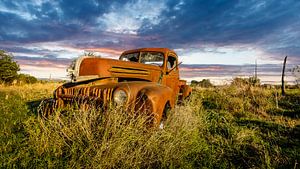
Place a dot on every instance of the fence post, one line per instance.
(282, 78)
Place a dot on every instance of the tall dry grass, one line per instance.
(230, 127)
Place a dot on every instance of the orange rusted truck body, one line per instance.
(146, 78)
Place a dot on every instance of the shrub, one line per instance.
(27, 79)
(202, 83)
(245, 81)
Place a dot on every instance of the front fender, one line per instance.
(157, 96)
(148, 96)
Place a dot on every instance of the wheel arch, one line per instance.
(159, 96)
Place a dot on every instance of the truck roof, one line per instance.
(163, 50)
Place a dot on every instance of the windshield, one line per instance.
(153, 58)
(133, 57)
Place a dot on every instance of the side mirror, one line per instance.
(168, 72)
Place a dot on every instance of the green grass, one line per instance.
(236, 126)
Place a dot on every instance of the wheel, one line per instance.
(46, 107)
(164, 116)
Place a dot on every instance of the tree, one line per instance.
(8, 67)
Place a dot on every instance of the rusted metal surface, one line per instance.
(139, 85)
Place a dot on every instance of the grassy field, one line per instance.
(237, 126)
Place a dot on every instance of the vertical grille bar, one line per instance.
(104, 96)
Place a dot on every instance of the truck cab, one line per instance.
(165, 59)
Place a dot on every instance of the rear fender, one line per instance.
(186, 91)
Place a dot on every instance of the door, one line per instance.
(172, 74)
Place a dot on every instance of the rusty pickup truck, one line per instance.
(145, 79)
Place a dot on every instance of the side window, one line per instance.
(171, 62)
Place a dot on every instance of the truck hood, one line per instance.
(102, 67)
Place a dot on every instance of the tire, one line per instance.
(46, 108)
(164, 116)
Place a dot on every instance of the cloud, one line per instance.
(44, 67)
(43, 62)
(174, 24)
(128, 18)
(41, 50)
(224, 21)
(264, 24)
(200, 30)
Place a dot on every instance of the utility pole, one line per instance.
(282, 78)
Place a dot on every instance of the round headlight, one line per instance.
(120, 97)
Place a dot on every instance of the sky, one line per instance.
(217, 39)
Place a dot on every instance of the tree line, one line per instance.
(9, 71)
